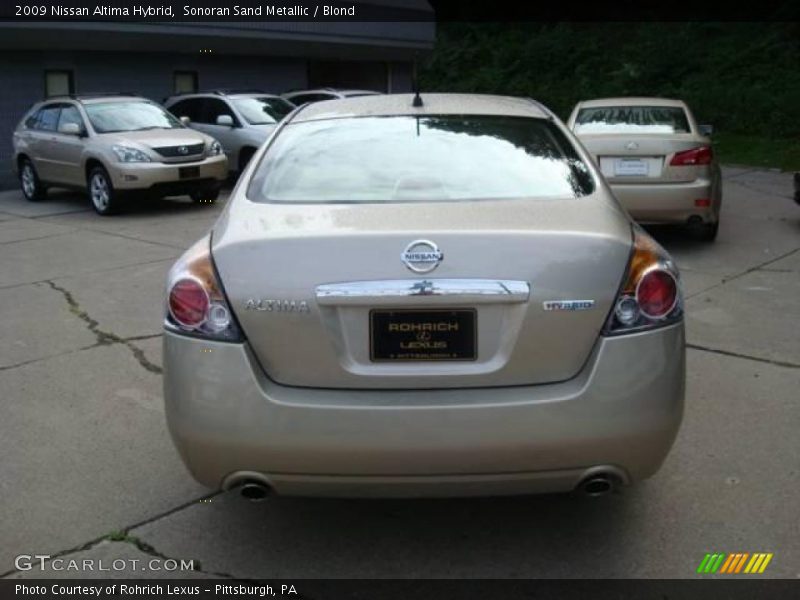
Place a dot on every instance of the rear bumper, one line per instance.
(668, 202)
(230, 422)
(166, 176)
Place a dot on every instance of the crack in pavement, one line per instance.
(747, 271)
(769, 361)
(136, 338)
(133, 238)
(104, 338)
(761, 191)
(126, 537)
(33, 239)
(80, 274)
(58, 214)
(48, 357)
(735, 175)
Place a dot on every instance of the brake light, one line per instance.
(656, 293)
(701, 155)
(188, 303)
(196, 303)
(650, 295)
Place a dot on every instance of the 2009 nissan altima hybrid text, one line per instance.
(434, 300)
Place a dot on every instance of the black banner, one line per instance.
(396, 10)
(404, 589)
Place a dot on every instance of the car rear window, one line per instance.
(632, 119)
(418, 159)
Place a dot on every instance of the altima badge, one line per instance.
(422, 256)
(568, 304)
(268, 305)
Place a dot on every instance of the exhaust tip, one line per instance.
(254, 491)
(597, 485)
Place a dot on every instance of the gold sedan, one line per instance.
(656, 158)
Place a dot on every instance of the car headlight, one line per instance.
(215, 149)
(127, 154)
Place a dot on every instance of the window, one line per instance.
(70, 114)
(632, 119)
(185, 82)
(32, 121)
(108, 117)
(213, 108)
(300, 99)
(262, 110)
(58, 83)
(48, 118)
(420, 159)
(187, 108)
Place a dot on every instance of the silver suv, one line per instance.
(112, 145)
(240, 120)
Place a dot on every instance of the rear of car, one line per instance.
(404, 301)
(114, 146)
(653, 154)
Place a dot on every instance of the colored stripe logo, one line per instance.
(735, 563)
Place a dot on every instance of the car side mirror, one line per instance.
(70, 129)
(706, 130)
(225, 120)
(185, 120)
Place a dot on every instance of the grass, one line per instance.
(758, 151)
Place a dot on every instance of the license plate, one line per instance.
(630, 167)
(188, 172)
(423, 335)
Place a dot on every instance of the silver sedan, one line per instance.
(423, 297)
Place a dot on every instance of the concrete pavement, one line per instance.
(86, 453)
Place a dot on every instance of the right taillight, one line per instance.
(650, 295)
(701, 155)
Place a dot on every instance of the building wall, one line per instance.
(148, 74)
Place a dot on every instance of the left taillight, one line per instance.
(701, 155)
(651, 294)
(196, 303)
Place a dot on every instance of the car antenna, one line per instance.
(417, 102)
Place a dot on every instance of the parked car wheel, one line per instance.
(244, 157)
(32, 187)
(206, 196)
(105, 200)
(797, 187)
(704, 232)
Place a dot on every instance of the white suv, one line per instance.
(240, 120)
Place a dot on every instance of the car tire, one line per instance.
(245, 155)
(797, 187)
(32, 187)
(705, 232)
(206, 196)
(105, 199)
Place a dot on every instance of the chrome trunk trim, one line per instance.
(430, 291)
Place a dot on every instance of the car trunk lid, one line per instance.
(527, 285)
(641, 158)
